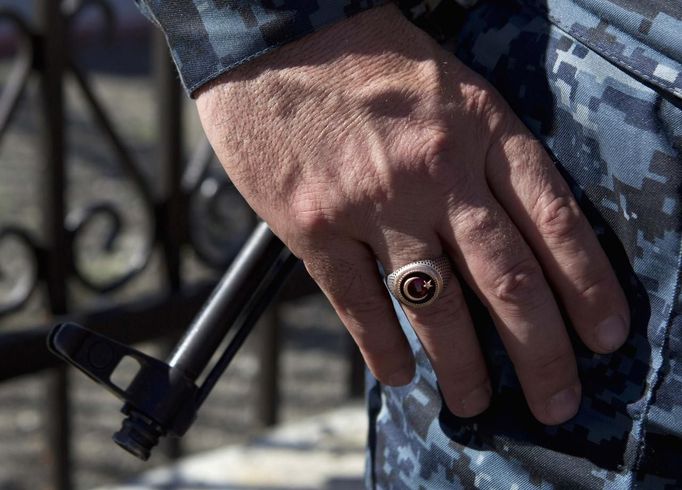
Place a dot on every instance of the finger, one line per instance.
(490, 252)
(351, 282)
(531, 189)
(445, 330)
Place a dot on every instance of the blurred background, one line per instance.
(114, 213)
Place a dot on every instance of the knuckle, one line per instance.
(467, 375)
(559, 217)
(312, 218)
(342, 282)
(591, 287)
(438, 142)
(360, 309)
(476, 222)
(488, 106)
(480, 99)
(549, 365)
(434, 155)
(519, 283)
(431, 157)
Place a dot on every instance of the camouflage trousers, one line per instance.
(602, 90)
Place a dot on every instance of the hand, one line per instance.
(367, 140)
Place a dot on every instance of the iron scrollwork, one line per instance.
(206, 192)
(214, 199)
(23, 279)
(20, 283)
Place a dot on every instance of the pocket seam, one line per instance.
(605, 51)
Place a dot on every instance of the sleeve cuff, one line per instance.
(209, 37)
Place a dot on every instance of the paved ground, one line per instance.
(323, 452)
(313, 373)
(313, 365)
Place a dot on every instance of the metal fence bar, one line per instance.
(171, 216)
(57, 266)
(268, 375)
(53, 148)
(58, 421)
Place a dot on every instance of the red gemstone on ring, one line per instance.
(418, 287)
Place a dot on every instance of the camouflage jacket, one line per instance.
(598, 82)
(209, 37)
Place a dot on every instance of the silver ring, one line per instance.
(419, 283)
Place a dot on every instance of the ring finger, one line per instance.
(444, 328)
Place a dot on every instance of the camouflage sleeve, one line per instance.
(209, 37)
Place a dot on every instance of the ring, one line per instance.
(419, 283)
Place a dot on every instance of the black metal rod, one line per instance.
(163, 398)
(283, 266)
(227, 302)
(246, 290)
(171, 219)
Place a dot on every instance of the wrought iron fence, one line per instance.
(179, 196)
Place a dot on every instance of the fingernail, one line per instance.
(401, 377)
(611, 333)
(476, 401)
(564, 405)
